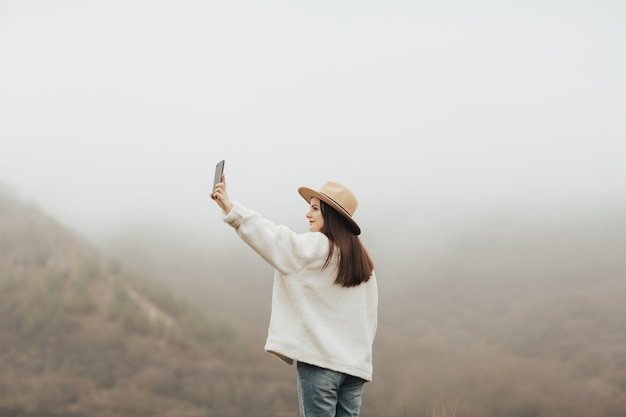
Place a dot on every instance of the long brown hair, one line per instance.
(355, 264)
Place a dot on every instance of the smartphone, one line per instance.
(219, 171)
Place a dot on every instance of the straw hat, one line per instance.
(338, 197)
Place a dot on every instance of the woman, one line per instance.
(324, 299)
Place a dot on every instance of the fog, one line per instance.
(113, 114)
(486, 144)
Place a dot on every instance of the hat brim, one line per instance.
(308, 194)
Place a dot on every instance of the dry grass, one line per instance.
(438, 408)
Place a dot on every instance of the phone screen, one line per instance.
(219, 170)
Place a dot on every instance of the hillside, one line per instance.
(83, 335)
(505, 316)
(516, 316)
(508, 315)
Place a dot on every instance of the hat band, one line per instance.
(334, 201)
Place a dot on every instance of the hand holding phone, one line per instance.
(219, 171)
(221, 198)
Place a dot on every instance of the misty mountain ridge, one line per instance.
(82, 335)
(505, 316)
(515, 313)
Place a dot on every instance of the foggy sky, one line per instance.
(115, 112)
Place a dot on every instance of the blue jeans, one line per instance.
(326, 393)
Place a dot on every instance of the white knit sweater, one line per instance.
(313, 320)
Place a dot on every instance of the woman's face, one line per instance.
(316, 220)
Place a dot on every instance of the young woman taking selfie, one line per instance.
(324, 298)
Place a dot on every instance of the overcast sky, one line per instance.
(114, 112)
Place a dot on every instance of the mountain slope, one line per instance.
(508, 315)
(82, 336)
(517, 316)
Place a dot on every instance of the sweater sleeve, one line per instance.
(282, 248)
